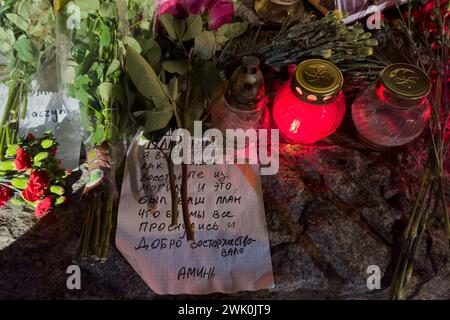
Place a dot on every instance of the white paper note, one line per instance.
(61, 114)
(231, 252)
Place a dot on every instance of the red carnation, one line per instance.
(5, 195)
(43, 207)
(23, 160)
(31, 137)
(36, 186)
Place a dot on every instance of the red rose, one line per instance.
(23, 160)
(36, 186)
(5, 195)
(43, 207)
(31, 137)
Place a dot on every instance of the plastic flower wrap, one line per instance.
(31, 175)
(174, 77)
(27, 42)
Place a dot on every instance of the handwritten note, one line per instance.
(231, 252)
(61, 114)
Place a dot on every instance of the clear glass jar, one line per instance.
(311, 106)
(274, 12)
(225, 116)
(243, 104)
(395, 110)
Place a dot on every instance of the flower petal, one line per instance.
(219, 13)
(196, 6)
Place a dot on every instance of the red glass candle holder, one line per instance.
(311, 106)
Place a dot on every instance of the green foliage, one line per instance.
(99, 48)
(175, 88)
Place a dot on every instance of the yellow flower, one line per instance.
(338, 14)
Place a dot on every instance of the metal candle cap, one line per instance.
(317, 81)
(406, 81)
(284, 2)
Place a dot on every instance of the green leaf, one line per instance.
(152, 52)
(7, 165)
(205, 45)
(41, 156)
(58, 190)
(175, 28)
(19, 183)
(104, 92)
(25, 50)
(7, 40)
(60, 200)
(83, 96)
(113, 70)
(47, 143)
(20, 22)
(180, 67)
(232, 30)
(12, 150)
(154, 120)
(206, 76)
(162, 104)
(119, 94)
(105, 35)
(106, 10)
(143, 75)
(99, 134)
(89, 6)
(131, 42)
(194, 26)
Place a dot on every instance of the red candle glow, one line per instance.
(311, 106)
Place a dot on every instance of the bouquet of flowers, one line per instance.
(27, 41)
(174, 76)
(31, 175)
(98, 33)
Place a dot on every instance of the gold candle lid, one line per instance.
(317, 81)
(406, 81)
(284, 2)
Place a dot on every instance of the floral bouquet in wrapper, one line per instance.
(27, 42)
(174, 75)
(94, 36)
(31, 175)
